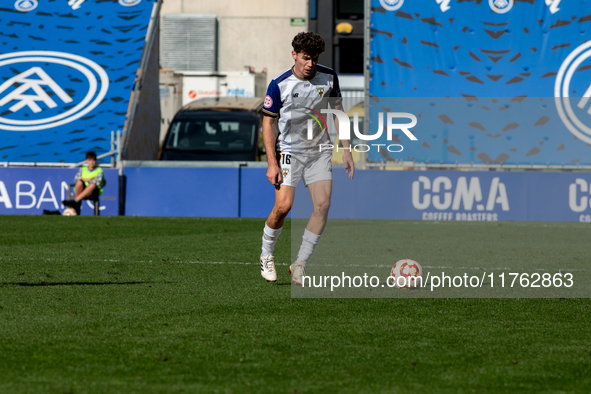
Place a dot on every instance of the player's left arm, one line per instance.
(347, 157)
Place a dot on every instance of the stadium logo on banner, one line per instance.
(391, 5)
(129, 3)
(444, 5)
(25, 5)
(553, 4)
(573, 118)
(75, 4)
(48, 89)
(501, 6)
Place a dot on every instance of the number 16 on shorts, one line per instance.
(285, 158)
(285, 164)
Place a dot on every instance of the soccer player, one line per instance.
(89, 183)
(297, 157)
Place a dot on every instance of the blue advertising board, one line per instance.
(373, 194)
(456, 195)
(67, 70)
(501, 81)
(30, 191)
(245, 192)
(257, 195)
(206, 192)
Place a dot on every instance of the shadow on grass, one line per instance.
(74, 283)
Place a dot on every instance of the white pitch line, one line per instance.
(315, 265)
(377, 266)
(222, 262)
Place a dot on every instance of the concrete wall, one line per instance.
(254, 33)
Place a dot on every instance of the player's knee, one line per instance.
(282, 208)
(322, 207)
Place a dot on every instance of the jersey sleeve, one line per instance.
(336, 89)
(272, 102)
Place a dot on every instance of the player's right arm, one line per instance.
(271, 108)
(273, 170)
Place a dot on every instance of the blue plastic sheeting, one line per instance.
(29, 191)
(492, 61)
(205, 192)
(67, 71)
(455, 195)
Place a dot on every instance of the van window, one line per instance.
(213, 131)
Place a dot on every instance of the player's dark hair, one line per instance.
(91, 155)
(309, 43)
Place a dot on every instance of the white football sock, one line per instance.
(309, 241)
(269, 238)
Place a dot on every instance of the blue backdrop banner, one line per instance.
(524, 130)
(67, 70)
(522, 71)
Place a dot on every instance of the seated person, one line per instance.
(89, 183)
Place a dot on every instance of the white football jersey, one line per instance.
(293, 100)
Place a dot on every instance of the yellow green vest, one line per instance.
(92, 174)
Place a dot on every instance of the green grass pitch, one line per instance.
(171, 305)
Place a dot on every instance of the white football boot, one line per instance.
(297, 271)
(268, 268)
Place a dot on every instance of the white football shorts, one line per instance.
(310, 169)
